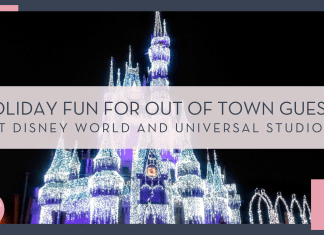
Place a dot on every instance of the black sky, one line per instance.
(207, 49)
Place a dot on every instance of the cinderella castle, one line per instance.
(135, 186)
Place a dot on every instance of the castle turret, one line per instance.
(105, 186)
(59, 170)
(131, 74)
(159, 54)
(190, 185)
(187, 163)
(221, 208)
(54, 191)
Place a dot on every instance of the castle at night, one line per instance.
(135, 186)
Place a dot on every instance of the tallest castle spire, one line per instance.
(159, 54)
(158, 26)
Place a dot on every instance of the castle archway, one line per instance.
(149, 215)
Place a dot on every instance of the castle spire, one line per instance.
(59, 150)
(215, 160)
(106, 159)
(164, 28)
(217, 175)
(158, 26)
(59, 170)
(111, 78)
(118, 78)
(130, 57)
(210, 174)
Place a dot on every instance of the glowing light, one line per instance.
(273, 211)
(111, 77)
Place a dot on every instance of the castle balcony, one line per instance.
(165, 40)
(187, 168)
(190, 186)
(52, 193)
(106, 183)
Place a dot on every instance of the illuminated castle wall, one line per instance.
(136, 185)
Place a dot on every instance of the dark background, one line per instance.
(207, 49)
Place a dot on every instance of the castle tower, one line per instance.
(105, 186)
(191, 187)
(189, 184)
(150, 189)
(59, 170)
(131, 74)
(221, 210)
(54, 191)
(159, 54)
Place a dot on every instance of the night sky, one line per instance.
(207, 49)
